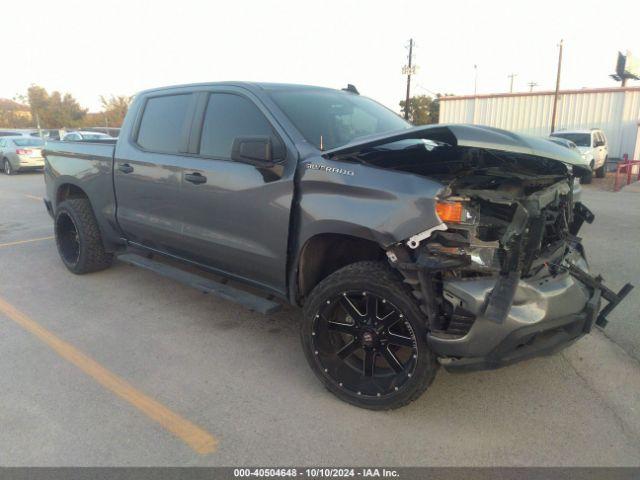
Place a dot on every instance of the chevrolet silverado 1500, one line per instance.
(406, 247)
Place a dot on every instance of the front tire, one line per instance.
(78, 237)
(601, 172)
(364, 336)
(587, 177)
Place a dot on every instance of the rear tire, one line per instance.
(78, 237)
(379, 359)
(601, 172)
(7, 168)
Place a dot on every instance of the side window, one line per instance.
(229, 116)
(162, 123)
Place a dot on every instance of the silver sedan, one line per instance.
(20, 153)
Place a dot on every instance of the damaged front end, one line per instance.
(504, 276)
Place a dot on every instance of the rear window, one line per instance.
(580, 139)
(28, 142)
(162, 123)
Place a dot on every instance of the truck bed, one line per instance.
(87, 166)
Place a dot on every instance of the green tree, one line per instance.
(423, 109)
(115, 108)
(54, 110)
(14, 114)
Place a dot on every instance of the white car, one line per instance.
(85, 136)
(592, 145)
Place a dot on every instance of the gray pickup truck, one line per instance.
(407, 247)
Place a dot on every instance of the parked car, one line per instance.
(20, 153)
(19, 132)
(111, 131)
(82, 136)
(593, 147)
(406, 247)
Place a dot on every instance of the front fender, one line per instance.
(382, 205)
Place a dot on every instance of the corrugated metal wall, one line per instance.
(616, 112)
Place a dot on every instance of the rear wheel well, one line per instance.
(324, 254)
(68, 190)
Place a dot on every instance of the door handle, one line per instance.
(125, 168)
(195, 178)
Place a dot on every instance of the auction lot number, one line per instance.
(314, 472)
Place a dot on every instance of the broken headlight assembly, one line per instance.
(461, 237)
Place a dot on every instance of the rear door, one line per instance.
(236, 215)
(148, 171)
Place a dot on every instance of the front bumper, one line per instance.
(548, 313)
(542, 338)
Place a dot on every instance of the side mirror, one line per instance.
(261, 151)
(598, 143)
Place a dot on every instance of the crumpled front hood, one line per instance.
(475, 136)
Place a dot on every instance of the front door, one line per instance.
(236, 215)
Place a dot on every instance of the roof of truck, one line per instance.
(247, 85)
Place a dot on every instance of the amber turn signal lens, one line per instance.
(449, 211)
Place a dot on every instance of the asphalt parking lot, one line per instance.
(124, 367)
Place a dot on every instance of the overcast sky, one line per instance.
(119, 47)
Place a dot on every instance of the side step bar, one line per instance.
(249, 300)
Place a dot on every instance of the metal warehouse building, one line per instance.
(615, 110)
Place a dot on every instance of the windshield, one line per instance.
(28, 142)
(335, 117)
(580, 139)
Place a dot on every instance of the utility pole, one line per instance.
(409, 70)
(475, 80)
(512, 76)
(531, 85)
(555, 96)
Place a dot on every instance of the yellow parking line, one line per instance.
(19, 242)
(33, 197)
(194, 436)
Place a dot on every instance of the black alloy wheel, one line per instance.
(68, 239)
(365, 337)
(364, 343)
